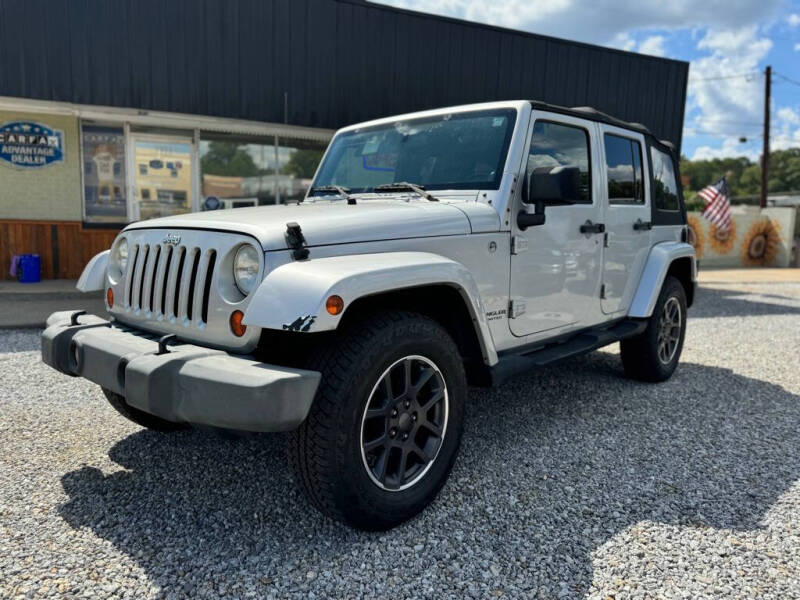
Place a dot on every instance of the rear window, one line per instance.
(665, 190)
(624, 168)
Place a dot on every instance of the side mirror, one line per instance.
(548, 186)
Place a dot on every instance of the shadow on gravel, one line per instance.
(553, 465)
(715, 302)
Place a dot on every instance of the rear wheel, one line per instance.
(653, 355)
(138, 416)
(384, 430)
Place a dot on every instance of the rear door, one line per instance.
(627, 216)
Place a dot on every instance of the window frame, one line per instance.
(674, 178)
(587, 133)
(625, 201)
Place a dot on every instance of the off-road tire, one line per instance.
(640, 354)
(326, 450)
(138, 416)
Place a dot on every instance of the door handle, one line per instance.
(642, 225)
(590, 227)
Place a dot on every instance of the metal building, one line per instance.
(188, 84)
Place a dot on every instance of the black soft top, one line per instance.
(592, 114)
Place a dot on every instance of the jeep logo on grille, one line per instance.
(172, 239)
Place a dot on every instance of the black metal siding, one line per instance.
(337, 62)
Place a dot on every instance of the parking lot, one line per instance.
(572, 482)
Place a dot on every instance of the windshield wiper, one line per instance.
(335, 189)
(404, 186)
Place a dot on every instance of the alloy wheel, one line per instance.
(669, 330)
(404, 423)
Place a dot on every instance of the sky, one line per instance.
(727, 42)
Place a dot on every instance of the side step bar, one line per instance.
(513, 364)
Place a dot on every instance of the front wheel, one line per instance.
(384, 430)
(653, 355)
(140, 417)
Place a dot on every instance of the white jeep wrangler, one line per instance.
(434, 249)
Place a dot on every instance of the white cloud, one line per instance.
(725, 90)
(793, 20)
(599, 21)
(654, 45)
(786, 131)
(797, 47)
(729, 147)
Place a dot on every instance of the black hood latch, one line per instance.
(296, 241)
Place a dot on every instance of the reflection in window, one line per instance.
(624, 168)
(103, 174)
(666, 188)
(555, 145)
(249, 171)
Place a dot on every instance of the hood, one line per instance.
(336, 222)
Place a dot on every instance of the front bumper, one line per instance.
(189, 384)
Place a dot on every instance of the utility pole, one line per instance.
(765, 156)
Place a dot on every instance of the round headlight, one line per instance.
(119, 255)
(245, 269)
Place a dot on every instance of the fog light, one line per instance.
(110, 298)
(334, 305)
(236, 323)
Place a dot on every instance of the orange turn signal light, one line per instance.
(334, 305)
(236, 323)
(110, 298)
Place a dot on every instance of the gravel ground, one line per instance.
(573, 482)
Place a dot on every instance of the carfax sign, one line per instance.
(26, 144)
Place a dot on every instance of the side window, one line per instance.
(666, 188)
(624, 168)
(557, 145)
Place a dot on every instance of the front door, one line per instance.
(555, 269)
(626, 200)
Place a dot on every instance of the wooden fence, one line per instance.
(65, 246)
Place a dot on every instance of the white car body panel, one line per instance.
(557, 275)
(93, 277)
(659, 259)
(293, 296)
(626, 248)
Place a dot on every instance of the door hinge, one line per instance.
(603, 292)
(605, 240)
(516, 308)
(519, 244)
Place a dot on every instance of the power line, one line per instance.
(787, 79)
(720, 77)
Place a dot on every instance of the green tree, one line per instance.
(229, 159)
(303, 163)
(744, 175)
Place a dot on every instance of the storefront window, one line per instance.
(104, 197)
(249, 171)
(301, 161)
(163, 176)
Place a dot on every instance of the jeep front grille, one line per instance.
(181, 281)
(170, 281)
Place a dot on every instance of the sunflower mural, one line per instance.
(761, 243)
(696, 235)
(721, 240)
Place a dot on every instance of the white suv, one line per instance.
(434, 249)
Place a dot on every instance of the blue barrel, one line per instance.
(30, 268)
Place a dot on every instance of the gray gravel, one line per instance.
(573, 482)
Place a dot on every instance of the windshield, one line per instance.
(456, 151)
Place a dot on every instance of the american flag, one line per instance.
(718, 207)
